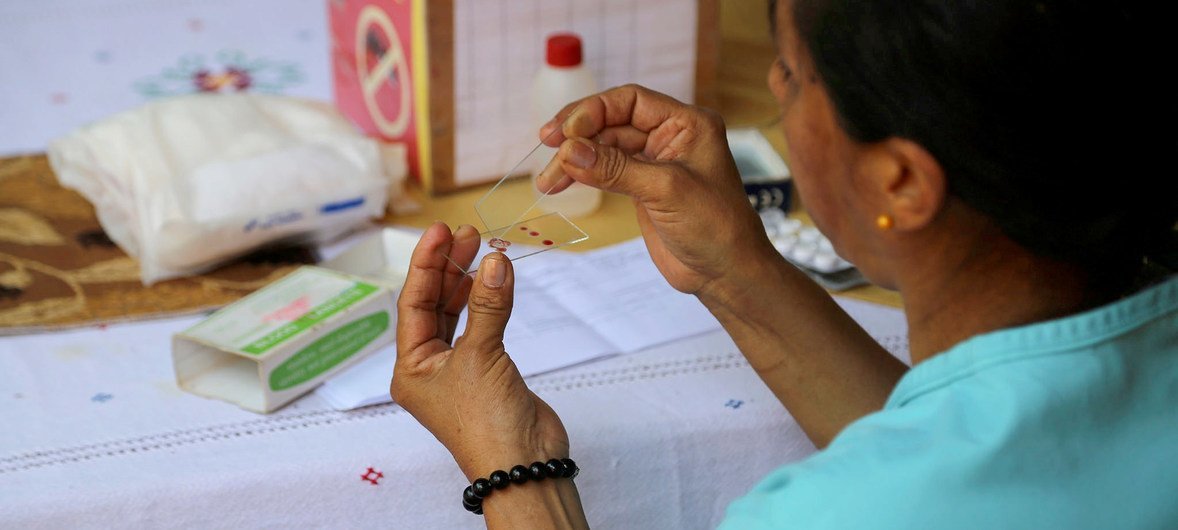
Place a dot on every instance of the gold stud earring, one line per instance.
(884, 221)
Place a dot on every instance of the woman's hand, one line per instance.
(673, 160)
(469, 395)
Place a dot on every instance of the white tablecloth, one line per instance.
(66, 63)
(96, 434)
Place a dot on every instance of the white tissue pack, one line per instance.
(186, 183)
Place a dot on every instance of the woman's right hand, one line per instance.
(673, 160)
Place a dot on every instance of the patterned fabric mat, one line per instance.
(58, 269)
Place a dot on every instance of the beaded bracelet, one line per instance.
(473, 495)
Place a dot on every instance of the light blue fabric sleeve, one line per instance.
(1069, 424)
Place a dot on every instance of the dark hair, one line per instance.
(1042, 113)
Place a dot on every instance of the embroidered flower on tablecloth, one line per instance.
(229, 71)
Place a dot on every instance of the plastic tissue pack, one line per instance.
(187, 183)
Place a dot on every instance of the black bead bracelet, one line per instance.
(473, 495)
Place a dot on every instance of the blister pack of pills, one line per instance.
(810, 251)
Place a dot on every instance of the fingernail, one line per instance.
(543, 183)
(465, 232)
(547, 179)
(492, 272)
(581, 154)
(576, 115)
(548, 128)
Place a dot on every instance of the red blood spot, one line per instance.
(533, 233)
(58, 98)
(547, 241)
(499, 244)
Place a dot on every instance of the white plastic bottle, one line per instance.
(562, 80)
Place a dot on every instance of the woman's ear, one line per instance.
(909, 183)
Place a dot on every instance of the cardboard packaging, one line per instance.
(272, 346)
(380, 72)
(282, 341)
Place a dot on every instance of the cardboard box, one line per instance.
(272, 346)
(380, 72)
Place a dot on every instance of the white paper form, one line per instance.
(618, 292)
(569, 309)
(499, 45)
(549, 336)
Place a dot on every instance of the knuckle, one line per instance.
(487, 303)
(403, 303)
(712, 120)
(397, 392)
(613, 166)
(667, 182)
(411, 297)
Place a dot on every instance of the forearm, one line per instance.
(549, 504)
(820, 363)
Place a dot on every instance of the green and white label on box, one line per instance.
(279, 342)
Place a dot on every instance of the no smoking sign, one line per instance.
(373, 69)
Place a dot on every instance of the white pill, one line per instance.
(803, 252)
(824, 244)
(810, 234)
(785, 243)
(791, 225)
(772, 216)
(825, 261)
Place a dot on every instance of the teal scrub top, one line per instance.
(1068, 424)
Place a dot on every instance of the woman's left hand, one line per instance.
(470, 394)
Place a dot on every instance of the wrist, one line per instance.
(480, 461)
(542, 494)
(742, 288)
(552, 503)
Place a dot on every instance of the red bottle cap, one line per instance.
(564, 49)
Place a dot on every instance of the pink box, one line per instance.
(379, 71)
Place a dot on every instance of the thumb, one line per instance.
(611, 169)
(490, 303)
